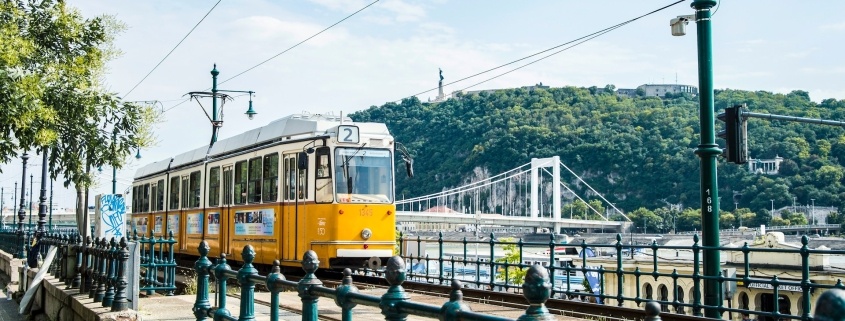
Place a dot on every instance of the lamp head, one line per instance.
(100, 169)
(250, 112)
(138, 154)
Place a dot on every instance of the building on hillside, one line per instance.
(765, 166)
(658, 90)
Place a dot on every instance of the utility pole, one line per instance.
(708, 150)
(2, 198)
(14, 204)
(29, 228)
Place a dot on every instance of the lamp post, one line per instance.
(29, 227)
(42, 198)
(216, 117)
(21, 211)
(813, 210)
(707, 151)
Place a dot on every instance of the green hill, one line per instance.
(638, 152)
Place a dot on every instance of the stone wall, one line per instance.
(52, 301)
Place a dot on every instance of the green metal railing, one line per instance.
(157, 259)
(394, 304)
(484, 264)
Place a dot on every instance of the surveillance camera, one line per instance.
(679, 25)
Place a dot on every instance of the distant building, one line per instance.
(765, 166)
(658, 90)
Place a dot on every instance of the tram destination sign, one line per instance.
(765, 285)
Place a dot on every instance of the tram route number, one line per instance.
(347, 134)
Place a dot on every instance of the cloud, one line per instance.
(800, 54)
(386, 12)
(265, 28)
(839, 26)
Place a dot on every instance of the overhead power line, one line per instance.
(573, 43)
(174, 49)
(301, 42)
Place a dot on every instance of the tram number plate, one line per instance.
(347, 134)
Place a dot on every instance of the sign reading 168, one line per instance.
(347, 134)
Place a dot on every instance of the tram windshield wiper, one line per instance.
(346, 173)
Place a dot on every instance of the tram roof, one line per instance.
(295, 126)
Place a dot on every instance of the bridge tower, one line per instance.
(536, 164)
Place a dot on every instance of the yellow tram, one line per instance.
(303, 182)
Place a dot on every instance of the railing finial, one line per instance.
(537, 289)
(830, 305)
(652, 311)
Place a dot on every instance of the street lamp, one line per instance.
(813, 211)
(216, 117)
(707, 152)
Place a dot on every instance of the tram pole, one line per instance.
(707, 151)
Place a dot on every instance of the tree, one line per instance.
(515, 274)
(52, 96)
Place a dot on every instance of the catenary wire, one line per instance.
(174, 49)
(301, 42)
(575, 42)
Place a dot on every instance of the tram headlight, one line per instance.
(366, 233)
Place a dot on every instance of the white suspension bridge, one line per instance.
(528, 196)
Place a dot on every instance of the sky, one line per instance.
(394, 48)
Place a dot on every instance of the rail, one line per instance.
(499, 264)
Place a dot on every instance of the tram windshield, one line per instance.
(363, 175)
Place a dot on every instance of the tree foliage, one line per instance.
(514, 275)
(51, 91)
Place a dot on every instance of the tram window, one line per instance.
(145, 206)
(174, 193)
(134, 199)
(214, 186)
(303, 183)
(227, 185)
(195, 184)
(323, 192)
(160, 196)
(153, 195)
(240, 182)
(290, 176)
(254, 180)
(185, 192)
(271, 177)
(323, 163)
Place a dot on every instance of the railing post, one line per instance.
(310, 262)
(170, 268)
(537, 290)
(247, 312)
(120, 303)
(201, 305)
(652, 311)
(274, 276)
(220, 275)
(830, 305)
(343, 291)
(805, 278)
(94, 270)
(108, 297)
(392, 299)
(77, 271)
(449, 311)
(103, 264)
(86, 268)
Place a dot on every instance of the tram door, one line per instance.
(289, 212)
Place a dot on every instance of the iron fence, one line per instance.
(157, 260)
(603, 273)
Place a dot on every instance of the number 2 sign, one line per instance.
(347, 134)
